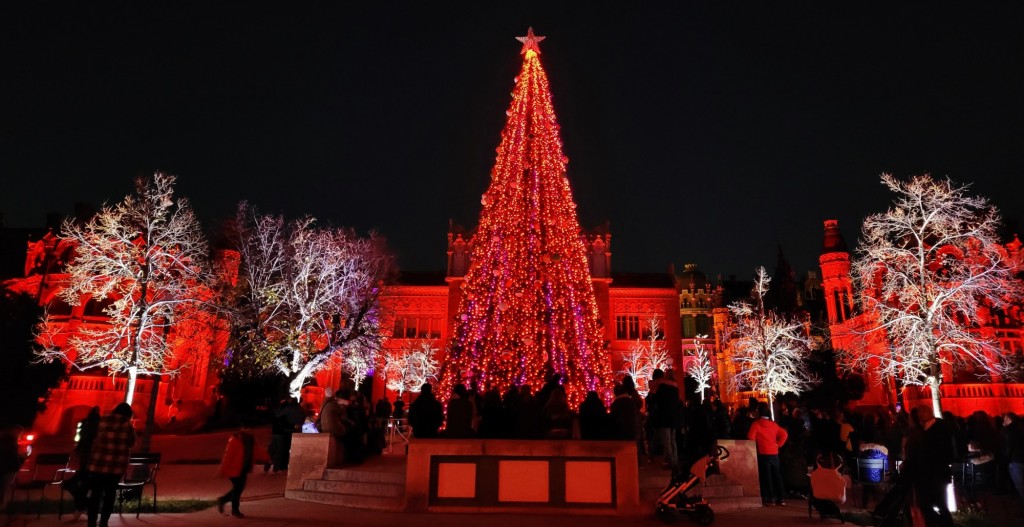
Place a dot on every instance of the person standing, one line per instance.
(108, 460)
(78, 484)
(1013, 450)
(666, 417)
(929, 457)
(241, 452)
(287, 420)
(425, 413)
(459, 423)
(353, 413)
(768, 436)
(333, 421)
(593, 417)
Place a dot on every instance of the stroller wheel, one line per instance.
(665, 514)
(704, 516)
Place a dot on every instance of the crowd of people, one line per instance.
(675, 431)
(666, 428)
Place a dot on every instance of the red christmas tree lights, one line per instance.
(528, 306)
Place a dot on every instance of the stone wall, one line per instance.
(466, 475)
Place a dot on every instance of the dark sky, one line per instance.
(707, 133)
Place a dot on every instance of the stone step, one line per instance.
(360, 488)
(379, 503)
(368, 475)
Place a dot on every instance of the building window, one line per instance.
(417, 327)
(689, 327)
(58, 309)
(703, 325)
(627, 327)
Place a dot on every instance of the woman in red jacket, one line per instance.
(768, 436)
(241, 453)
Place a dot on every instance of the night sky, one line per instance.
(708, 133)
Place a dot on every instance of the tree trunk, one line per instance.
(147, 431)
(771, 405)
(933, 383)
(133, 375)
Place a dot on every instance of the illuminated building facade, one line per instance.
(963, 390)
(188, 396)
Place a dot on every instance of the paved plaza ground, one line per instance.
(189, 473)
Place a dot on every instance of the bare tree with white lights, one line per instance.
(145, 260)
(359, 363)
(408, 368)
(925, 268)
(306, 295)
(701, 370)
(645, 356)
(769, 350)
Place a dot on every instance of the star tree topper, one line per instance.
(530, 41)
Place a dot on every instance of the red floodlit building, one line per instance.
(423, 306)
(187, 396)
(963, 390)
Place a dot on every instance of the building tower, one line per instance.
(835, 274)
(528, 306)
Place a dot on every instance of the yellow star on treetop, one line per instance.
(530, 41)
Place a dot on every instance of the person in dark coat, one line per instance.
(108, 459)
(288, 420)
(666, 418)
(494, 420)
(354, 410)
(929, 457)
(425, 414)
(558, 417)
(625, 416)
(459, 423)
(529, 416)
(594, 421)
(1012, 433)
(78, 485)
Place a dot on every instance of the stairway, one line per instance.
(720, 493)
(378, 484)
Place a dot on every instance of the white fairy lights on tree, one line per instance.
(145, 257)
(358, 364)
(408, 368)
(645, 356)
(306, 294)
(701, 370)
(768, 349)
(925, 269)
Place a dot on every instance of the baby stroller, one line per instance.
(828, 488)
(673, 500)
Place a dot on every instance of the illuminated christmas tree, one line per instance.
(528, 307)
